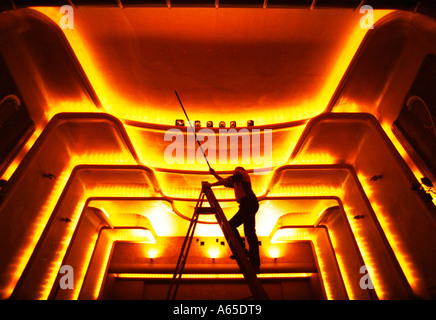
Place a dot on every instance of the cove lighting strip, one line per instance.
(206, 276)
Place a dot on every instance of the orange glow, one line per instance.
(115, 102)
(266, 218)
(135, 235)
(152, 253)
(115, 190)
(208, 230)
(118, 104)
(305, 190)
(363, 180)
(213, 252)
(402, 257)
(288, 234)
(365, 251)
(346, 106)
(101, 158)
(274, 252)
(190, 186)
(11, 169)
(324, 273)
(81, 269)
(340, 258)
(56, 263)
(410, 163)
(160, 218)
(345, 56)
(205, 276)
(159, 213)
(69, 106)
(388, 130)
(187, 192)
(225, 149)
(17, 160)
(105, 213)
(39, 224)
(315, 158)
(102, 268)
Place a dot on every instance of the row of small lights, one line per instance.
(209, 124)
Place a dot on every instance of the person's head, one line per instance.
(239, 169)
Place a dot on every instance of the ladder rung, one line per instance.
(206, 210)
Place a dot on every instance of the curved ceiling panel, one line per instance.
(271, 66)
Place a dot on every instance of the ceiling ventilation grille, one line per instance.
(418, 106)
(8, 105)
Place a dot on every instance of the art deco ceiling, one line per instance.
(269, 66)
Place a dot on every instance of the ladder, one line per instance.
(254, 284)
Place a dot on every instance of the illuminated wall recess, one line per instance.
(86, 180)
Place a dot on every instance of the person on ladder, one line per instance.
(248, 205)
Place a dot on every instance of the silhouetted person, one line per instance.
(248, 205)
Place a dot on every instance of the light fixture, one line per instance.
(206, 276)
(180, 123)
(197, 123)
(274, 252)
(213, 253)
(232, 124)
(152, 253)
(250, 123)
(222, 124)
(209, 124)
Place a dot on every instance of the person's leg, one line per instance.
(250, 234)
(235, 222)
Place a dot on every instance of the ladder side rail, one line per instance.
(245, 266)
(185, 258)
(185, 249)
(185, 241)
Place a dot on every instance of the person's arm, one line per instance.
(212, 172)
(221, 181)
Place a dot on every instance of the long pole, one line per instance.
(193, 129)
